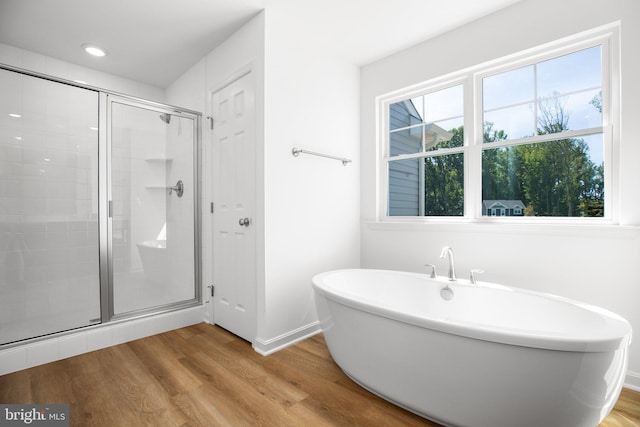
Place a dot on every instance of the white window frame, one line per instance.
(471, 79)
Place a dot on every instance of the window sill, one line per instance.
(521, 226)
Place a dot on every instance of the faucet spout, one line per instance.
(448, 252)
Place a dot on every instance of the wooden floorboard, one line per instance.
(203, 375)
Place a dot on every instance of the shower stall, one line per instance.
(99, 207)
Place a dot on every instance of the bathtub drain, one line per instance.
(446, 293)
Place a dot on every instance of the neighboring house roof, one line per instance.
(508, 204)
(433, 133)
(412, 110)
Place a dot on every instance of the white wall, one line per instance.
(311, 211)
(593, 264)
(307, 208)
(188, 91)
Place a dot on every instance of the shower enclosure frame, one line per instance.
(105, 99)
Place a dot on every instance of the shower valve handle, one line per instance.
(178, 188)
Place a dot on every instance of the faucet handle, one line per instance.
(433, 270)
(472, 275)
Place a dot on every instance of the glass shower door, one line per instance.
(49, 251)
(153, 248)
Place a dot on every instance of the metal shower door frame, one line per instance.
(106, 205)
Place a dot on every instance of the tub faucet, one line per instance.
(433, 274)
(447, 251)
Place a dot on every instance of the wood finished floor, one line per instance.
(204, 376)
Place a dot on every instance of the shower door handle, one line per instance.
(245, 222)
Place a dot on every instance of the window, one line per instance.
(548, 118)
(526, 138)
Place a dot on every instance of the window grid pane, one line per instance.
(425, 123)
(559, 94)
(562, 178)
(427, 186)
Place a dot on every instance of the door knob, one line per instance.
(245, 222)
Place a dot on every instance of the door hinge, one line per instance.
(211, 207)
(210, 122)
(212, 288)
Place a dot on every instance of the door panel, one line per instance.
(49, 253)
(234, 303)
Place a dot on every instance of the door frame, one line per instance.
(248, 69)
(106, 101)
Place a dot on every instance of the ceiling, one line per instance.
(155, 41)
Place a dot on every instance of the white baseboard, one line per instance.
(267, 347)
(632, 381)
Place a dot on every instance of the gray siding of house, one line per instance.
(404, 175)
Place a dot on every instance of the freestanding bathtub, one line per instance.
(489, 356)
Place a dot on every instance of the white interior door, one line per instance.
(234, 239)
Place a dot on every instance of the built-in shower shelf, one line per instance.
(158, 159)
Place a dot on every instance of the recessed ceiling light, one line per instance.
(94, 50)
